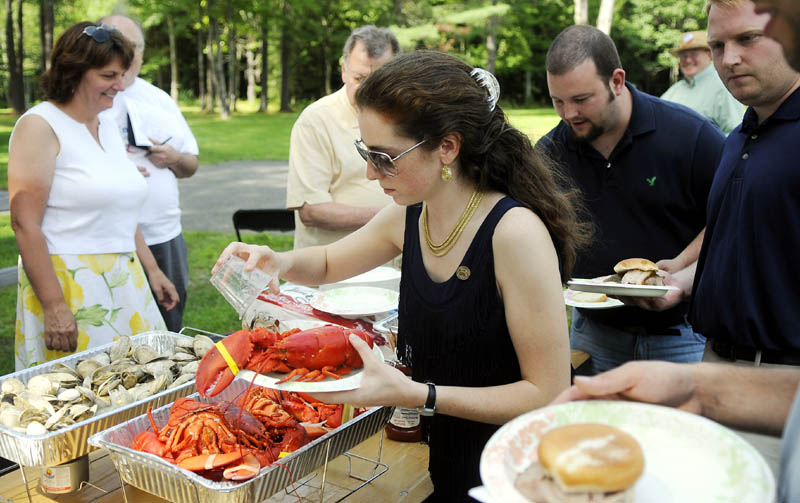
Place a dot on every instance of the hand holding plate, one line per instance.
(657, 382)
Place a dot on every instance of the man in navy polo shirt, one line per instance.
(745, 286)
(645, 167)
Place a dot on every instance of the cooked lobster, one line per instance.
(311, 354)
(214, 437)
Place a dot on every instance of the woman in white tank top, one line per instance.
(75, 200)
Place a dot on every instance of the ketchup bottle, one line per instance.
(404, 426)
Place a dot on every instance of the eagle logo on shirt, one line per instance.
(651, 181)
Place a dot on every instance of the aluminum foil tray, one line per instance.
(156, 476)
(69, 443)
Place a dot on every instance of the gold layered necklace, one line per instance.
(445, 246)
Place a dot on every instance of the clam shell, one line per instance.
(41, 385)
(145, 354)
(102, 358)
(201, 345)
(190, 368)
(183, 378)
(12, 385)
(35, 428)
(9, 416)
(87, 367)
(180, 356)
(69, 395)
(55, 418)
(122, 349)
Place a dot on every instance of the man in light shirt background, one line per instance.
(701, 88)
(327, 183)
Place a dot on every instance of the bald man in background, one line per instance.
(160, 143)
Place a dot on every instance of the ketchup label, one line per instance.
(405, 418)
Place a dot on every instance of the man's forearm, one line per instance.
(336, 216)
(185, 167)
(754, 399)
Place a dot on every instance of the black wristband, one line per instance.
(430, 403)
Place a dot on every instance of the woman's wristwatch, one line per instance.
(430, 404)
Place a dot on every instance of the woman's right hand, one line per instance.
(60, 328)
(254, 256)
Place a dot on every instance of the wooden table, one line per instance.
(406, 480)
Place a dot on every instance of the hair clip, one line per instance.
(487, 80)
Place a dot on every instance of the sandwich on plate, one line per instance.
(583, 463)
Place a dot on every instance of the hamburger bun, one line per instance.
(641, 264)
(588, 297)
(591, 458)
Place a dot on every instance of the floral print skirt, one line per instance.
(108, 294)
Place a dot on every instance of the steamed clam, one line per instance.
(125, 373)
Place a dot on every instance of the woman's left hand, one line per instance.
(165, 291)
(381, 384)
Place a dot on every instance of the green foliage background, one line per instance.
(317, 29)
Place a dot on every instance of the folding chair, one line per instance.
(263, 220)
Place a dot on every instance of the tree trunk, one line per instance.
(21, 56)
(581, 11)
(201, 69)
(491, 42)
(46, 23)
(264, 66)
(285, 63)
(605, 16)
(528, 86)
(233, 63)
(173, 60)
(16, 84)
(216, 64)
(398, 13)
(250, 72)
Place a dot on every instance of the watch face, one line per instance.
(425, 411)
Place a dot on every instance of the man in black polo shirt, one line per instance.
(645, 167)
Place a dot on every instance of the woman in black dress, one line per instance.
(486, 229)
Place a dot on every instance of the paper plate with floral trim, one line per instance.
(687, 457)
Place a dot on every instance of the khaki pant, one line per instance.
(767, 445)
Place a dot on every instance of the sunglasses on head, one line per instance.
(100, 33)
(382, 161)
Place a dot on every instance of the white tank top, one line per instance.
(96, 194)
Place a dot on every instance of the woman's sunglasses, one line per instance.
(382, 161)
(100, 33)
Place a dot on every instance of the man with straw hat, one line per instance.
(700, 88)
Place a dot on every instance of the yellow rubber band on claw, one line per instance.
(283, 454)
(227, 357)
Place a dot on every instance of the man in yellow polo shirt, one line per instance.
(701, 88)
(327, 183)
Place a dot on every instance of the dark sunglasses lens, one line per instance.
(362, 151)
(98, 33)
(383, 163)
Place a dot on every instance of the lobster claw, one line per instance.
(240, 346)
(214, 370)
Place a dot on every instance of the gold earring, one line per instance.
(447, 173)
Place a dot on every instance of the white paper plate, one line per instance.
(589, 285)
(609, 303)
(382, 277)
(687, 457)
(346, 383)
(355, 301)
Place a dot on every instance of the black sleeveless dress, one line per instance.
(454, 333)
